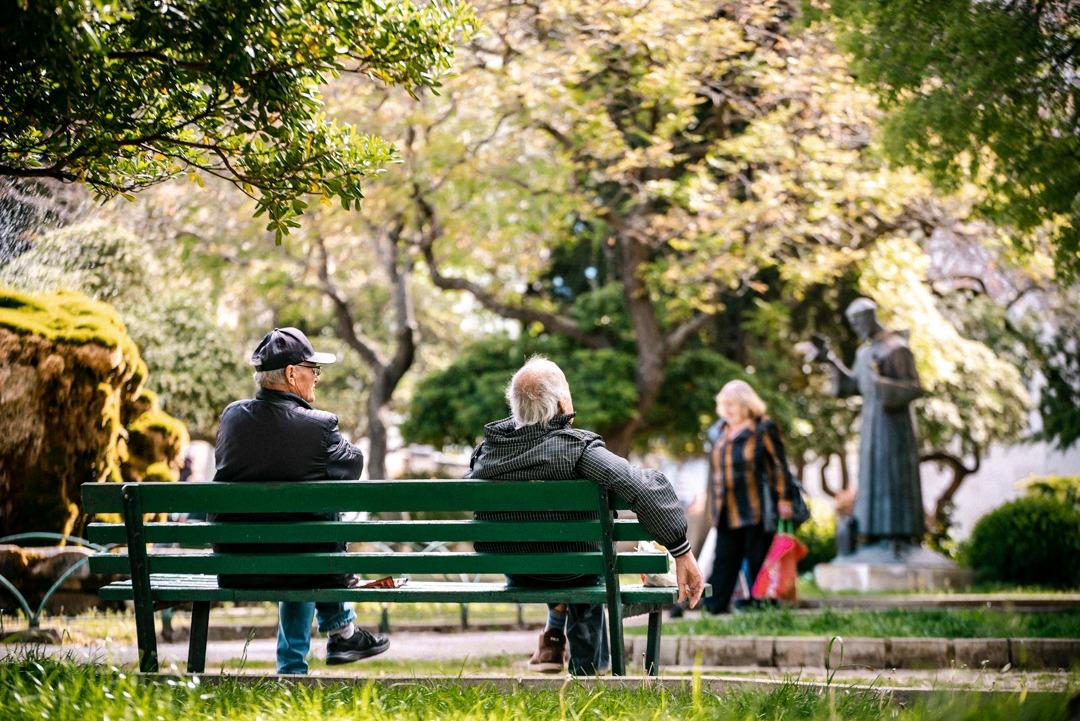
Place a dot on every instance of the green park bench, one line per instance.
(163, 576)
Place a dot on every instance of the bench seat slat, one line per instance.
(330, 496)
(202, 533)
(205, 588)
(380, 563)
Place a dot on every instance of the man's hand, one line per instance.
(815, 350)
(691, 582)
(786, 510)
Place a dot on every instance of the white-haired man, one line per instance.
(538, 442)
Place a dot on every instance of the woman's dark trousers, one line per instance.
(732, 546)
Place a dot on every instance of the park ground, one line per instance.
(438, 669)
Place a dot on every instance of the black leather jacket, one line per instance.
(278, 436)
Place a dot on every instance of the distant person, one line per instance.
(278, 436)
(748, 475)
(539, 442)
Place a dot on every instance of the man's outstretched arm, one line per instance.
(652, 498)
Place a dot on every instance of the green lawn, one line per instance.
(37, 689)
(952, 623)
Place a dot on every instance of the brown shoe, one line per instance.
(549, 657)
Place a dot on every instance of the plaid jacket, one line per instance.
(748, 474)
(558, 451)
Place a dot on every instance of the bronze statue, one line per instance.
(888, 506)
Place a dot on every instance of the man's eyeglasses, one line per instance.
(316, 370)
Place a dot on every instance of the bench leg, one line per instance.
(652, 645)
(200, 622)
(617, 643)
(146, 636)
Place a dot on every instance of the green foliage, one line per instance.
(453, 405)
(758, 204)
(73, 408)
(950, 623)
(981, 91)
(1034, 539)
(687, 402)
(819, 535)
(131, 93)
(1059, 398)
(37, 687)
(1065, 489)
(69, 317)
(166, 312)
(1040, 338)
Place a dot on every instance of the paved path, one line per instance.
(403, 647)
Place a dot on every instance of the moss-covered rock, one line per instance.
(72, 409)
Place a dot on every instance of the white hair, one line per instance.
(535, 391)
(275, 377)
(743, 393)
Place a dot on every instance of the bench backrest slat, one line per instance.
(330, 496)
(455, 496)
(198, 533)
(382, 563)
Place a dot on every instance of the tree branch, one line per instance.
(552, 321)
(343, 314)
(678, 337)
(408, 330)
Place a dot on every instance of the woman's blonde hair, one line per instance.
(742, 392)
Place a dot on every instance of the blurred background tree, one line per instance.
(981, 91)
(698, 160)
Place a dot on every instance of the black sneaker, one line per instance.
(360, 645)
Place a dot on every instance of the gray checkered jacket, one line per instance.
(557, 451)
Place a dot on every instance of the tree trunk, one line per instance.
(940, 517)
(826, 489)
(377, 409)
(651, 343)
(388, 373)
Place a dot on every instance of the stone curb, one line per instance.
(716, 684)
(859, 652)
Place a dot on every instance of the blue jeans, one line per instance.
(586, 627)
(294, 630)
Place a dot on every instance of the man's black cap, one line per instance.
(286, 347)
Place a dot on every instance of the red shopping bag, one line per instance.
(776, 579)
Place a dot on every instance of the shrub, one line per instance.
(1064, 488)
(819, 535)
(1034, 539)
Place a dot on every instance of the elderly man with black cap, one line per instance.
(278, 436)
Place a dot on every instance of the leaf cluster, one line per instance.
(123, 95)
(982, 91)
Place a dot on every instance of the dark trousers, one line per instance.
(732, 546)
(586, 630)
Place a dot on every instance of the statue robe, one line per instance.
(888, 504)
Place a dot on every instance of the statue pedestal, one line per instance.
(885, 567)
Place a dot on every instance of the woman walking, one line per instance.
(749, 476)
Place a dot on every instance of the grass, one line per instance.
(952, 623)
(482, 665)
(808, 589)
(38, 688)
